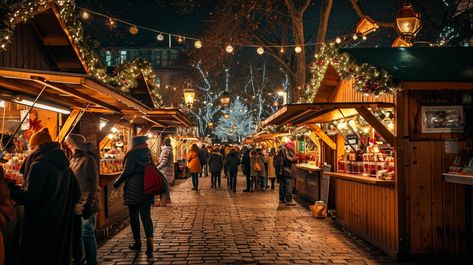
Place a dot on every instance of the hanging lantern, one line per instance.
(189, 97)
(365, 26)
(225, 99)
(133, 30)
(408, 23)
(399, 42)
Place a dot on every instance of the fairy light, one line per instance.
(198, 44)
(133, 30)
(281, 50)
(298, 49)
(85, 15)
(338, 40)
(160, 37)
(260, 50)
(229, 48)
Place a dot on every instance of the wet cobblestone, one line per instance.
(215, 226)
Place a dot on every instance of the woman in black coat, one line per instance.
(139, 203)
(232, 165)
(216, 165)
(245, 165)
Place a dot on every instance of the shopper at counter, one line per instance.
(284, 163)
(166, 166)
(49, 194)
(139, 203)
(84, 165)
(194, 166)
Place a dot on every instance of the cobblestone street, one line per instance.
(219, 227)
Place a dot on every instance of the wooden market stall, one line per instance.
(266, 139)
(426, 208)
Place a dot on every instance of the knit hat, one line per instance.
(290, 145)
(138, 140)
(40, 137)
(76, 140)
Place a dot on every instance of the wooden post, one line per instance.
(67, 127)
(317, 130)
(146, 129)
(377, 125)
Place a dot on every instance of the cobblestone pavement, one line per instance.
(215, 226)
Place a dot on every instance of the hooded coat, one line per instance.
(166, 163)
(49, 195)
(216, 162)
(133, 176)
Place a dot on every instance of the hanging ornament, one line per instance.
(229, 48)
(260, 50)
(198, 44)
(85, 15)
(160, 37)
(298, 49)
(133, 30)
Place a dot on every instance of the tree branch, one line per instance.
(359, 12)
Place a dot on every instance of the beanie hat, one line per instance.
(76, 140)
(290, 145)
(40, 137)
(138, 140)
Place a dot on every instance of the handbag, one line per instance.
(256, 166)
(153, 179)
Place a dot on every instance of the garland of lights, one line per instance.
(126, 74)
(367, 79)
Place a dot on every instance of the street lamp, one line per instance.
(282, 94)
(225, 99)
(408, 23)
(189, 97)
(365, 26)
(399, 42)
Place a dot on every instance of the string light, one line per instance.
(281, 50)
(85, 15)
(229, 48)
(198, 44)
(180, 39)
(355, 36)
(160, 37)
(260, 50)
(133, 30)
(338, 40)
(298, 49)
(364, 37)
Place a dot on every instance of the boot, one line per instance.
(135, 246)
(149, 247)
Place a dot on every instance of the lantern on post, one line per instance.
(189, 97)
(399, 42)
(225, 99)
(365, 26)
(408, 23)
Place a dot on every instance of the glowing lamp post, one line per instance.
(408, 23)
(283, 94)
(189, 97)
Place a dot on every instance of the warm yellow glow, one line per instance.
(341, 125)
(399, 42)
(189, 96)
(260, 50)
(298, 49)
(114, 130)
(43, 106)
(338, 40)
(408, 22)
(366, 25)
(85, 15)
(160, 37)
(229, 49)
(198, 44)
(110, 136)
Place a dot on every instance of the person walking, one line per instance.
(6, 211)
(194, 165)
(84, 165)
(216, 165)
(49, 194)
(139, 203)
(271, 169)
(232, 164)
(166, 166)
(285, 160)
(204, 157)
(262, 174)
(246, 167)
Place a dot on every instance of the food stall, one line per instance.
(182, 145)
(399, 161)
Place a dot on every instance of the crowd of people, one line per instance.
(58, 200)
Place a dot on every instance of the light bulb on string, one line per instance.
(355, 36)
(85, 15)
(160, 37)
(364, 37)
(260, 50)
(338, 40)
(281, 50)
(298, 49)
(229, 48)
(133, 30)
(198, 44)
(180, 39)
(111, 23)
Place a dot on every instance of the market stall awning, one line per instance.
(66, 89)
(142, 92)
(319, 112)
(165, 118)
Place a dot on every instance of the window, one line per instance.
(108, 58)
(122, 56)
(158, 55)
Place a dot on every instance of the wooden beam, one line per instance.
(317, 130)
(377, 125)
(75, 93)
(314, 139)
(153, 121)
(146, 129)
(67, 127)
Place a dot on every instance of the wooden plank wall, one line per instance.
(434, 211)
(346, 93)
(370, 211)
(24, 51)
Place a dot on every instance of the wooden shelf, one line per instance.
(360, 178)
(458, 178)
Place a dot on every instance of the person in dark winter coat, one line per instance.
(84, 165)
(216, 165)
(139, 203)
(204, 159)
(246, 167)
(287, 159)
(49, 194)
(232, 165)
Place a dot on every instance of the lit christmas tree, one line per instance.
(236, 123)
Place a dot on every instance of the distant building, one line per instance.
(168, 63)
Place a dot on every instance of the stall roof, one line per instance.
(419, 63)
(167, 118)
(67, 89)
(142, 92)
(318, 112)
